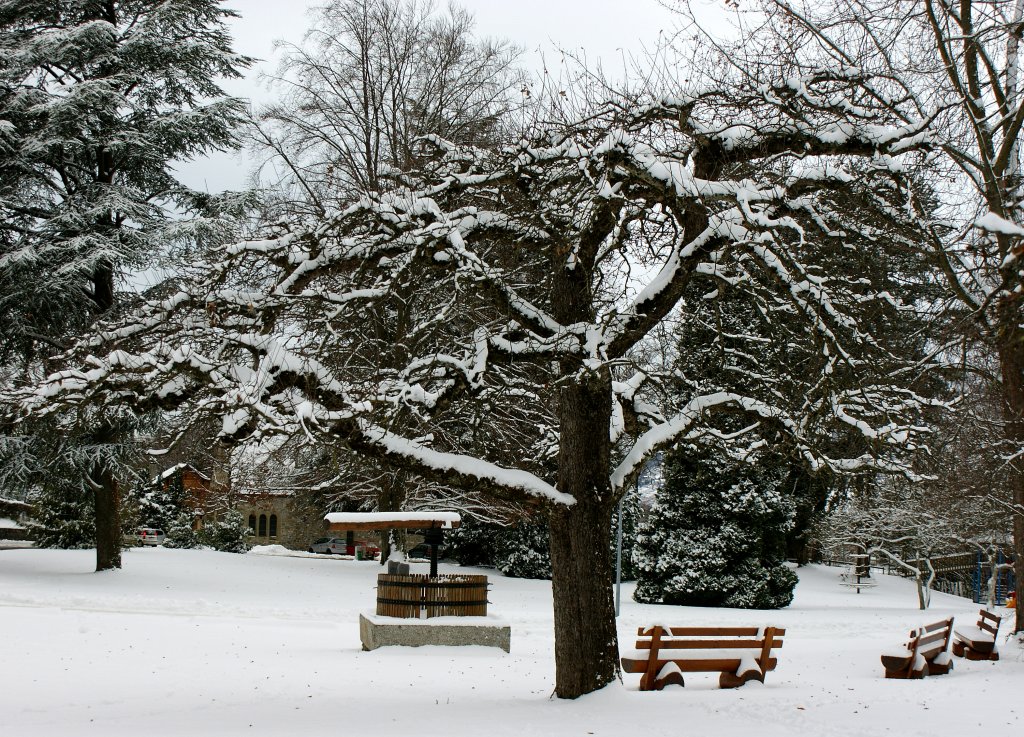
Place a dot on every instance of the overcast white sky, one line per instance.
(602, 30)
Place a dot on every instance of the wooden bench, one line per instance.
(978, 642)
(926, 653)
(739, 654)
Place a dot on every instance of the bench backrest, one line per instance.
(989, 622)
(931, 639)
(668, 642)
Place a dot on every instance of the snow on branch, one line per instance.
(410, 453)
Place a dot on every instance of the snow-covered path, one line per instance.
(201, 643)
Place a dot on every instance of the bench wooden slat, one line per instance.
(633, 665)
(705, 644)
(937, 639)
(708, 631)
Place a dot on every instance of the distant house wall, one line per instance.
(270, 518)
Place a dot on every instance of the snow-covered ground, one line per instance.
(199, 643)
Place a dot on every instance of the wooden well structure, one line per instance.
(417, 596)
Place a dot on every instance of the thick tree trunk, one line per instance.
(108, 519)
(586, 644)
(108, 507)
(1011, 360)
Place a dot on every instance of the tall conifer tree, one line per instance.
(97, 99)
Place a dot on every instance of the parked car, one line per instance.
(331, 546)
(150, 536)
(337, 546)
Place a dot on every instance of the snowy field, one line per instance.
(199, 643)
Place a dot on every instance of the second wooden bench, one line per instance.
(926, 653)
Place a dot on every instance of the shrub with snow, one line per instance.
(229, 533)
(180, 532)
(64, 514)
(522, 551)
(716, 536)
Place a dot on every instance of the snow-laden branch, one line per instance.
(668, 432)
(456, 467)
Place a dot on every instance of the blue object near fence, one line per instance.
(1005, 580)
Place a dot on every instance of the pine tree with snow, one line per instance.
(161, 502)
(180, 532)
(521, 551)
(717, 535)
(64, 514)
(228, 533)
(97, 99)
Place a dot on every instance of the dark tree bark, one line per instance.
(108, 506)
(582, 596)
(1011, 360)
(586, 642)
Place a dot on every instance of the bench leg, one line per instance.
(731, 680)
(905, 673)
(971, 654)
(675, 678)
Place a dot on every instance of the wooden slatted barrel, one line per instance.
(417, 596)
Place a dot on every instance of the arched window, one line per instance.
(273, 525)
(252, 523)
(263, 526)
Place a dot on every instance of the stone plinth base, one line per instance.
(377, 631)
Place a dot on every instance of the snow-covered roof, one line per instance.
(180, 467)
(9, 524)
(387, 520)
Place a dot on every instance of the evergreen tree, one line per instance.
(63, 516)
(472, 543)
(228, 533)
(160, 503)
(180, 532)
(717, 535)
(97, 99)
(521, 551)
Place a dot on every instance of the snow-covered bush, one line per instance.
(471, 544)
(64, 514)
(180, 532)
(228, 533)
(521, 551)
(160, 502)
(716, 536)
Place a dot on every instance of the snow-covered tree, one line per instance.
(97, 99)
(957, 64)
(537, 272)
(180, 531)
(64, 515)
(161, 500)
(891, 522)
(717, 535)
(228, 532)
(369, 80)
